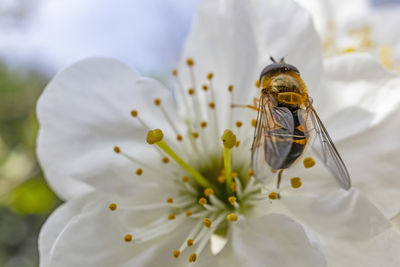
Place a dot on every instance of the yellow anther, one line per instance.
(205, 87)
(257, 83)
(273, 195)
(157, 101)
(222, 172)
(175, 72)
(154, 136)
(191, 91)
(234, 174)
(165, 160)
(237, 143)
(134, 113)
(203, 124)
(349, 50)
(208, 192)
(210, 75)
(232, 200)
(207, 222)
(253, 122)
(139, 171)
(190, 242)
(308, 162)
(190, 62)
(211, 105)
(234, 187)
(239, 124)
(171, 217)
(112, 206)
(179, 137)
(170, 200)
(202, 201)
(193, 257)
(117, 149)
(176, 253)
(295, 182)
(189, 213)
(250, 173)
(221, 179)
(128, 238)
(229, 139)
(232, 217)
(195, 134)
(185, 179)
(230, 88)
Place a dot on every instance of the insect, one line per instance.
(286, 123)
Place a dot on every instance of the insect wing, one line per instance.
(324, 147)
(269, 151)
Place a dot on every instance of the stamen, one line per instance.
(176, 253)
(165, 160)
(175, 72)
(229, 140)
(210, 76)
(257, 83)
(157, 102)
(234, 187)
(190, 62)
(273, 195)
(189, 213)
(139, 172)
(221, 179)
(211, 105)
(117, 149)
(208, 192)
(207, 222)
(308, 162)
(295, 182)
(156, 137)
(232, 217)
(192, 257)
(254, 122)
(239, 124)
(191, 91)
(205, 87)
(195, 135)
(128, 238)
(190, 242)
(135, 114)
(185, 179)
(202, 201)
(250, 173)
(203, 124)
(112, 206)
(232, 200)
(170, 200)
(171, 217)
(179, 137)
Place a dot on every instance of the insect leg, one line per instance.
(278, 183)
(244, 106)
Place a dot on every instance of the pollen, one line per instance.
(253, 122)
(257, 83)
(232, 217)
(207, 222)
(191, 91)
(210, 75)
(208, 192)
(192, 257)
(250, 173)
(190, 242)
(176, 253)
(154, 136)
(211, 105)
(237, 143)
(308, 162)
(165, 160)
(179, 137)
(170, 200)
(134, 113)
(112, 206)
(189, 213)
(157, 101)
(232, 200)
(295, 182)
(239, 124)
(202, 201)
(234, 174)
(195, 134)
(190, 62)
(128, 238)
(185, 179)
(273, 195)
(221, 179)
(203, 124)
(171, 217)
(139, 171)
(230, 88)
(205, 87)
(175, 72)
(234, 187)
(229, 139)
(117, 149)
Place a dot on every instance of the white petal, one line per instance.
(271, 240)
(234, 40)
(84, 112)
(94, 236)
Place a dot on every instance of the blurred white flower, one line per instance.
(361, 25)
(160, 202)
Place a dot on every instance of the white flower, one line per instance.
(348, 26)
(159, 202)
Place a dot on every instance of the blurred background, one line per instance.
(40, 37)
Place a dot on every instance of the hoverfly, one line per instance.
(286, 123)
